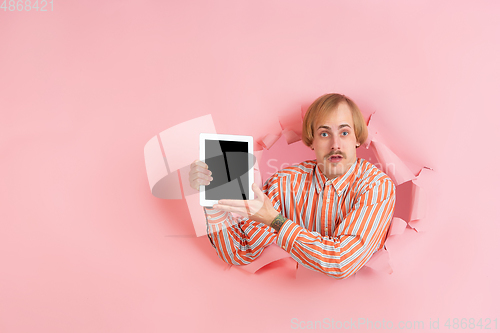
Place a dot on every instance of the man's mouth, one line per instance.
(335, 158)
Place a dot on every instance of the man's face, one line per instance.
(334, 142)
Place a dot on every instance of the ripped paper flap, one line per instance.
(380, 261)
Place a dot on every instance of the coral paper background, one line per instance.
(85, 247)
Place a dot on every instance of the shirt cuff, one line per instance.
(219, 220)
(287, 235)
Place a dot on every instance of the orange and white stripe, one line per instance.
(333, 226)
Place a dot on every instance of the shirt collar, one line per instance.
(339, 183)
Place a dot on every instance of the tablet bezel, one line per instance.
(227, 137)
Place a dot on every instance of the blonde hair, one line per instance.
(320, 109)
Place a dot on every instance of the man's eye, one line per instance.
(345, 133)
(324, 134)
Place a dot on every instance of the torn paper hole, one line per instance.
(278, 154)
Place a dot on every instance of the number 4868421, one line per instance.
(27, 5)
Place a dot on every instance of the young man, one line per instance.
(331, 214)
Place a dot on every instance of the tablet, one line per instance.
(231, 160)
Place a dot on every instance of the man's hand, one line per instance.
(260, 209)
(199, 175)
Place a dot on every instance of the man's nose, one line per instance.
(335, 142)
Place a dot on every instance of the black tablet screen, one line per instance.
(229, 163)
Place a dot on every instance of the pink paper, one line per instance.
(398, 226)
(380, 261)
(181, 147)
(419, 209)
(163, 184)
(181, 142)
(86, 247)
(391, 164)
(291, 136)
(371, 131)
(269, 140)
(291, 126)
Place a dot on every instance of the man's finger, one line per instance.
(203, 176)
(200, 178)
(258, 192)
(233, 203)
(232, 209)
(204, 182)
(201, 164)
(202, 170)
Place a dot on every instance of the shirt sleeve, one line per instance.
(363, 233)
(238, 241)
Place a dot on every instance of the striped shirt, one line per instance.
(333, 225)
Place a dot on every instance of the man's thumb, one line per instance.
(258, 193)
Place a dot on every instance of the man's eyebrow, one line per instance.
(325, 127)
(329, 128)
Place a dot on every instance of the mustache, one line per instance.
(337, 152)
